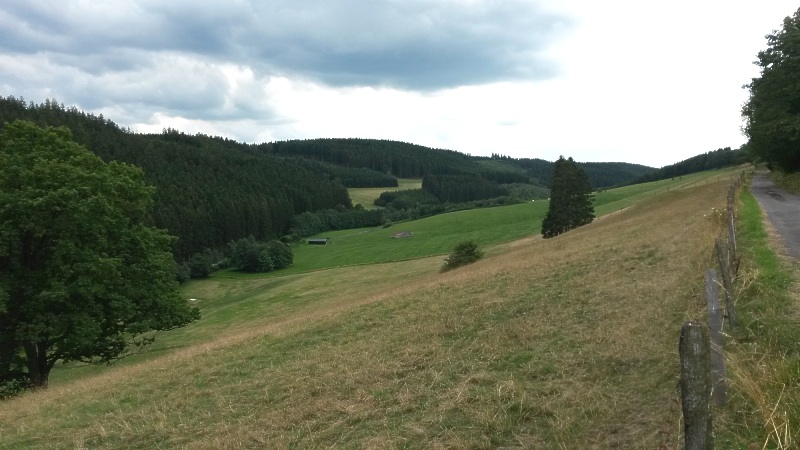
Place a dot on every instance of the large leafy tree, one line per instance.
(82, 275)
(772, 114)
(571, 203)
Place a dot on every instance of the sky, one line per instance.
(650, 83)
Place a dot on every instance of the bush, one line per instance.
(14, 384)
(249, 255)
(280, 253)
(464, 253)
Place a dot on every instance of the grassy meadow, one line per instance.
(569, 342)
(365, 196)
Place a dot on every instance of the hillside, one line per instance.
(717, 159)
(211, 190)
(208, 190)
(404, 160)
(568, 342)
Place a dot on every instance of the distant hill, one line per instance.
(602, 175)
(717, 159)
(404, 160)
(211, 190)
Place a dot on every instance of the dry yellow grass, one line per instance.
(569, 342)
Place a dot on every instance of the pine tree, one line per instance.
(571, 203)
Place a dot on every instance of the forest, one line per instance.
(717, 159)
(213, 190)
(209, 191)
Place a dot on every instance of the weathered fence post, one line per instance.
(696, 387)
(730, 312)
(733, 255)
(718, 376)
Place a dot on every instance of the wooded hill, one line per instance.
(212, 190)
(209, 191)
(404, 160)
(717, 159)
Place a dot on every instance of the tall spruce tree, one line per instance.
(571, 203)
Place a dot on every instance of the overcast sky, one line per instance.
(619, 80)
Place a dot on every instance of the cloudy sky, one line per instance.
(618, 80)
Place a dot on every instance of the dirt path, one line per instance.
(782, 209)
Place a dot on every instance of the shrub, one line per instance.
(249, 255)
(464, 253)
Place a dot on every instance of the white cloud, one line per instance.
(625, 80)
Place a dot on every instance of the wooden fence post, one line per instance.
(718, 376)
(696, 387)
(733, 256)
(730, 312)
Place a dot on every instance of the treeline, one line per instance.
(212, 190)
(209, 190)
(310, 223)
(461, 188)
(399, 159)
(717, 159)
(602, 175)
(351, 177)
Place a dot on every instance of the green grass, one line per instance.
(546, 344)
(287, 292)
(366, 196)
(790, 182)
(764, 357)
(438, 235)
(561, 343)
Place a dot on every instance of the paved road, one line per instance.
(782, 209)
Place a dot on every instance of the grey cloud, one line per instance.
(419, 45)
(416, 45)
(146, 56)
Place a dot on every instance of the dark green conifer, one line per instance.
(571, 203)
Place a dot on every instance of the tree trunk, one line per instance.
(38, 365)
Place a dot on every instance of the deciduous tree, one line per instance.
(82, 275)
(772, 113)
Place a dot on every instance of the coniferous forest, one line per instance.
(211, 191)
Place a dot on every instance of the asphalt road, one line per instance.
(782, 209)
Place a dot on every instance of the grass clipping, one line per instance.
(569, 342)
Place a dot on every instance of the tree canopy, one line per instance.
(571, 203)
(82, 275)
(772, 113)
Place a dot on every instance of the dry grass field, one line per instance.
(365, 196)
(566, 343)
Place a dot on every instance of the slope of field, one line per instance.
(366, 196)
(439, 234)
(569, 342)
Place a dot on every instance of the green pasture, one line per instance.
(439, 234)
(230, 298)
(542, 344)
(365, 196)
